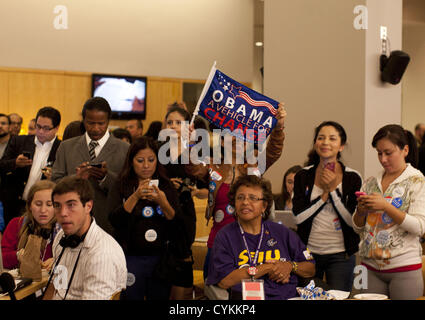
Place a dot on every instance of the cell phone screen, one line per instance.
(154, 182)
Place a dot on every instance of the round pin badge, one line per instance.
(230, 210)
(219, 216)
(131, 279)
(147, 212)
(382, 237)
(151, 235)
(211, 186)
(252, 271)
(386, 218)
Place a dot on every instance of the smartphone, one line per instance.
(154, 182)
(359, 193)
(27, 154)
(97, 165)
(330, 166)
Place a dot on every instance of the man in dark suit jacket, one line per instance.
(99, 163)
(25, 160)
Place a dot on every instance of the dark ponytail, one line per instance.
(400, 137)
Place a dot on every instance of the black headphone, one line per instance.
(72, 241)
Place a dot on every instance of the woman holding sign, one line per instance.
(254, 248)
(390, 217)
(221, 175)
(323, 204)
(144, 203)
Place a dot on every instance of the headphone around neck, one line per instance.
(72, 241)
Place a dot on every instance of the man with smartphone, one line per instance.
(96, 156)
(25, 158)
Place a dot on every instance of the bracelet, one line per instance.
(294, 267)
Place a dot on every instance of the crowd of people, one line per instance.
(102, 213)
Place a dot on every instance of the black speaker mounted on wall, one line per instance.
(393, 67)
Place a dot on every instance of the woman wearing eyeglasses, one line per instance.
(276, 254)
(221, 176)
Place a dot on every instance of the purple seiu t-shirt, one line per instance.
(279, 243)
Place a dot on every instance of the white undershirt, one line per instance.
(39, 161)
(326, 234)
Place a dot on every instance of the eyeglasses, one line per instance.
(44, 128)
(15, 123)
(251, 198)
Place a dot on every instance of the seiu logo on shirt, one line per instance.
(269, 255)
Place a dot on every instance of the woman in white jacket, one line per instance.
(390, 217)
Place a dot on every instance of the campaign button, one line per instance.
(229, 209)
(219, 216)
(386, 218)
(211, 186)
(131, 279)
(383, 237)
(397, 202)
(147, 212)
(151, 235)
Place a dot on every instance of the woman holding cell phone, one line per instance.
(187, 186)
(390, 217)
(323, 204)
(143, 203)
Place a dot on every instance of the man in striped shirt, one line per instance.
(89, 263)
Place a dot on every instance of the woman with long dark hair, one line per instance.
(390, 217)
(143, 203)
(323, 204)
(187, 186)
(283, 201)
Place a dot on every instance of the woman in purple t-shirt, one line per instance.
(276, 254)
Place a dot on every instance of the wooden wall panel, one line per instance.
(24, 91)
(30, 91)
(160, 94)
(4, 92)
(77, 91)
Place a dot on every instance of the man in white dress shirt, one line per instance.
(89, 263)
(25, 160)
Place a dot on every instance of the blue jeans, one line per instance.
(143, 282)
(338, 269)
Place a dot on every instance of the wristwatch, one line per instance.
(294, 267)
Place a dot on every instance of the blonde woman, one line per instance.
(38, 219)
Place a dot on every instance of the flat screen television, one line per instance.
(126, 94)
